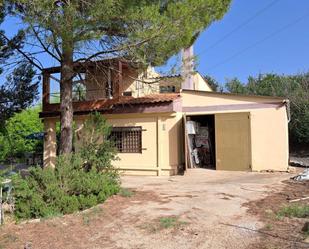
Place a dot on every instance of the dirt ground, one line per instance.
(209, 209)
(281, 232)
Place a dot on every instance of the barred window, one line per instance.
(127, 139)
(167, 89)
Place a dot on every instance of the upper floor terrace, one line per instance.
(96, 82)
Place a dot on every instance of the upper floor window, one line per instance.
(167, 89)
(127, 93)
(127, 139)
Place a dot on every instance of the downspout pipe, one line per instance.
(287, 104)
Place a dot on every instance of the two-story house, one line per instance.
(163, 125)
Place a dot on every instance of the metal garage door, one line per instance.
(233, 141)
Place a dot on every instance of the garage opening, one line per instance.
(201, 148)
(219, 141)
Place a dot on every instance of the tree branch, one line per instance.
(43, 45)
(114, 50)
(29, 59)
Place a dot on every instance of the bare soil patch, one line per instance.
(92, 228)
(281, 232)
(203, 209)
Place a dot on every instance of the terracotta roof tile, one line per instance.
(149, 99)
(126, 100)
(109, 104)
(106, 104)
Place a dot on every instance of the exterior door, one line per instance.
(232, 132)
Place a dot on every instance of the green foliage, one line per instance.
(124, 192)
(296, 210)
(268, 226)
(170, 222)
(91, 214)
(79, 181)
(13, 140)
(215, 86)
(235, 86)
(18, 92)
(295, 88)
(97, 151)
(147, 31)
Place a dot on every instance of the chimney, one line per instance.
(187, 68)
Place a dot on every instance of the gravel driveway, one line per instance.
(209, 201)
(206, 207)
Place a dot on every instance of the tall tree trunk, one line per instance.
(66, 108)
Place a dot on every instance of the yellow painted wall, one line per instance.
(163, 138)
(200, 84)
(141, 83)
(147, 159)
(269, 136)
(170, 131)
(138, 81)
(268, 125)
(212, 99)
(161, 143)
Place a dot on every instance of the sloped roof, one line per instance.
(128, 100)
(107, 105)
(152, 98)
(223, 94)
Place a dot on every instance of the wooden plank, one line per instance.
(46, 89)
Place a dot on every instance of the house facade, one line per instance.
(164, 125)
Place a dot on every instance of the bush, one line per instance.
(13, 142)
(80, 180)
(294, 87)
(298, 211)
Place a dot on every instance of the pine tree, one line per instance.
(143, 31)
(18, 91)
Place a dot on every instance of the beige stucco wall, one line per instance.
(147, 82)
(212, 99)
(269, 139)
(162, 138)
(170, 141)
(161, 143)
(200, 84)
(142, 83)
(138, 81)
(268, 125)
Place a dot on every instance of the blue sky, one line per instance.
(275, 40)
(256, 36)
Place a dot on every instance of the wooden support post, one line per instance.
(118, 87)
(46, 88)
(50, 143)
(109, 82)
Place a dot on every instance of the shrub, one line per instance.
(294, 87)
(298, 211)
(13, 141)
(124, 192)
(80, 180)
